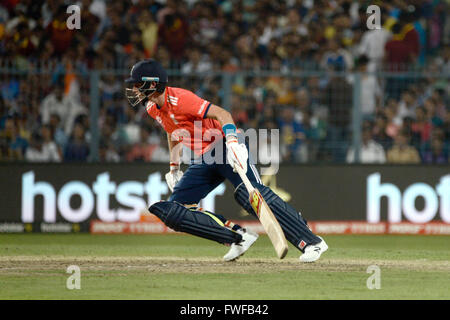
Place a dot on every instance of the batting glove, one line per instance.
(173, 176)
(237, 154)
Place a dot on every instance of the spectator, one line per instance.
(65, 106)
(18, 145)
(336, 57)
(268, 113)
(110, 87)
(407, 126)
(446, 127)
(422, 36)
(50, 150)
(398, 51)
(160, 153)
(61, 37)
(371, 152)
(107, 152)
(41, 148)
(292, 135)
(24, 39)
(370, 89)
(196, 63)
(249, 31)
(58, 133)
(380, 131)
(401, 152)
(421, 126)
(315, 131)
(34, 152)
(394, 124)
(435, 152)
(410, 34)
(438, 96)
(197, 37)
(406, 106)
(90, 20)
(131, 129)
(149, 29)
(397, 58)
(173, 31)
(434, 118)
(141, 150)
(15, 146)
(77, 148)
(303, 103)
(372, 46)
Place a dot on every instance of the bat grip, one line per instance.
(245, 179)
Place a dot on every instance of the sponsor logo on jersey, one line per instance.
(172, 100)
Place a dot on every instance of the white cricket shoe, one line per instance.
(238, 249)
(314, 251)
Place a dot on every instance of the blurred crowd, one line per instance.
(47, 69)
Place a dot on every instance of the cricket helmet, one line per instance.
(146, 77)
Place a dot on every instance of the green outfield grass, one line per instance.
(33, 266)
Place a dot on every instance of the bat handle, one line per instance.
(245, 179)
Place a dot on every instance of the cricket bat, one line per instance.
(266, 217)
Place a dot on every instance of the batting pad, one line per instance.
(197, 223)
(294, 226)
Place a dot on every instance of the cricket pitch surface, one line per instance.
(35, 266)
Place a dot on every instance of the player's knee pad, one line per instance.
(198, 223)
(291, 221)
(169, 212)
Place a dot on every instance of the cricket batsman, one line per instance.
(183, 114)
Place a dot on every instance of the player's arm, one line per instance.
(219, 114)
(175, 151)
(237, 154)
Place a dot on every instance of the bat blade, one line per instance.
(269, 222)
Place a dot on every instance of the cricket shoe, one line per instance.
(314, 251)
(238, 249)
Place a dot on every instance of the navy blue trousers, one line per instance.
(202, 177)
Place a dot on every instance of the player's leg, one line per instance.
(182, 219)
(227, 223)
(181, 213)
(197, 182)
(295, 227)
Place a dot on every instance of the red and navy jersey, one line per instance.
(183, 116)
